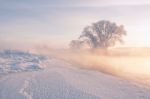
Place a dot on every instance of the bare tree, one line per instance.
(101, 34)
(75, 44)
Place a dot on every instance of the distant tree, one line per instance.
(78, 44)
(75, 44)
(102, 34)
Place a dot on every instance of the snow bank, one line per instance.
(16, 61)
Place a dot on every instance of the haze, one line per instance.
(55, 23)
(45, 55)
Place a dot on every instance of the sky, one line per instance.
(56, 22)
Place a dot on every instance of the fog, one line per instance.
(132, 64)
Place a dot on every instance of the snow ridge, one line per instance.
(17, 61)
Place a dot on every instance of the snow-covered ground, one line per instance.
(17, 61)
(29, 76)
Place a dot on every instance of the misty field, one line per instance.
(32, 76)
(74, 49)
(130, 63)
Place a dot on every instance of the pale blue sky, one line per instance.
(56, 22)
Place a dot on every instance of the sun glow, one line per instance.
(135, 41)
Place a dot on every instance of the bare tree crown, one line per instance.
(101, 34)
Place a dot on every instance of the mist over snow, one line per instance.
(31, 76)
(74, 49)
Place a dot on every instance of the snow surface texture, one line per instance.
(28, 76)
(15, 61)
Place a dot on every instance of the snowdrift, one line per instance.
(12, 61)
